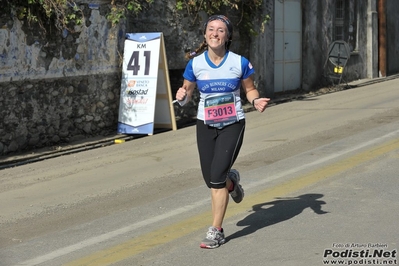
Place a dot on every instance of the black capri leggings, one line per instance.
(218, 149)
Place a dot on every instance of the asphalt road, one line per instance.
(320, 176)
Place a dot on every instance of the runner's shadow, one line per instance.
(280, 210)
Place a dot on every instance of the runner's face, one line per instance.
(216, 34)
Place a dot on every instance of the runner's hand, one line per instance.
(261, 104)
(181, 93)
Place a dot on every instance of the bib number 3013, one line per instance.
(220, 110)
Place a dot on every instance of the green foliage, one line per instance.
(65, 14)
(211, 7)
(265, 19)
(247, 8)
(120, 7)
(62, 13)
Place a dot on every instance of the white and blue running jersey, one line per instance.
(218, 82)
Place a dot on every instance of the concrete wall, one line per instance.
(392, 37)
(317, 36)
(261, 51)
(26, 54)
(357, 64)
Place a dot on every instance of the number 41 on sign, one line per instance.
(145, 98)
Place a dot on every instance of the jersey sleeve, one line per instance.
(247, 69)
(189, 72)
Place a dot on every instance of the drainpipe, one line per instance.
(382, 38)
(372, 39)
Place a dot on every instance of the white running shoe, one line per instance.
(214, 238)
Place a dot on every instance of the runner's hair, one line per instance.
(198, 51)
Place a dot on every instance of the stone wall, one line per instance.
(50, 112)
(58, 87)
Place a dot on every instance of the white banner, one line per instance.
(139, 83)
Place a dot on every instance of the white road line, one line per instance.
(127, 229)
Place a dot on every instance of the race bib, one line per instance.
(220, 110)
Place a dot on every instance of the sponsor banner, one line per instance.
(139, 83)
